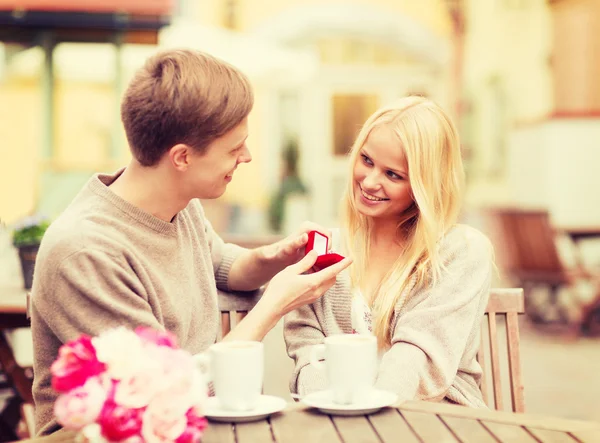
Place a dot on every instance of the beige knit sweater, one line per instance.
(105, 263)
(435, 336)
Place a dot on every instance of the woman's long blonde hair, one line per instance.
(431, 146)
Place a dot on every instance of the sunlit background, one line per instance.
(520, 78)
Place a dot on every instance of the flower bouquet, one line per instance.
(130, 387)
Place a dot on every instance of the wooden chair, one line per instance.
(19, 377)
(506, 304)
(234, 306)
(525, 242)
(21, 381)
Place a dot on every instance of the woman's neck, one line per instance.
(386, 234)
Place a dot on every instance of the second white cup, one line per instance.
(236, 370)
(350, 365)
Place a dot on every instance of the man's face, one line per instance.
(211, 171)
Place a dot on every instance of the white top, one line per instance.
(362, 322)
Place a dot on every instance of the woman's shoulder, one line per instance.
(465, 240)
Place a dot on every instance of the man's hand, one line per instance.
(292, 288)
(291, 249)
(288, 290)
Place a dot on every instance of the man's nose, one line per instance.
(245, 156)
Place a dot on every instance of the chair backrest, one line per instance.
(504, 303)
(507, 304)
(234, 306)
(525, 242)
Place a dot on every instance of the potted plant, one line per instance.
(27, 236)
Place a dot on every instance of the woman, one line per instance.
(419, 280)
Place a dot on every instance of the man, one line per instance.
(135, 249)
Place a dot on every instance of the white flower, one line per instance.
(122, 351)
(138, 389)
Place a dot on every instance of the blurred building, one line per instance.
(519, 76)
(319, 69)
(531, 103)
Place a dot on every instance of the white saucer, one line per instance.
(266, 405)
(323, 401)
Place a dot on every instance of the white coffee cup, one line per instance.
(236, 370)
(350, 365)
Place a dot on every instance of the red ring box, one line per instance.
(320, 243)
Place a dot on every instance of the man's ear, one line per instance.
(179, 155)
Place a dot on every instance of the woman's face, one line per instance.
(381, 185)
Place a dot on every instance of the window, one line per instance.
(350, 111)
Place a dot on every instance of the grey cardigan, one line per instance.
(435, 336)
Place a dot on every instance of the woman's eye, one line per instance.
(393, 175)
(366, 159)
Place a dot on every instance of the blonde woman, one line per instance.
(419, 280)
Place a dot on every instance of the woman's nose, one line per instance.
(371, 180)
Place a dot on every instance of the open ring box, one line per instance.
(320, 243)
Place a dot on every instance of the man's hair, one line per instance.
(182, 96)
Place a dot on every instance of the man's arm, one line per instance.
(252, 268)
(288, 290)
(88, 292)
(92, 291)
(255, 267)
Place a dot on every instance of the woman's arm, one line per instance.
(301, 332)
(434, 329)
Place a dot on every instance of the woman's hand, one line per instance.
(292, 288)
(291, 249)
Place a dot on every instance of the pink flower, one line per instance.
(164, 421)
(120, 423)
(178, 370)
(137, 390)
(130, 387)
(159, 338)
(82, 405)
(194, 429)
(76, 363)
(122, 351)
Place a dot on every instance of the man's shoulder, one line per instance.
(69, 235)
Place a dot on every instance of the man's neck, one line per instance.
(150, 190)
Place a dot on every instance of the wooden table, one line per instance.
(578, 233)
(13, 307)
(411, 422)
